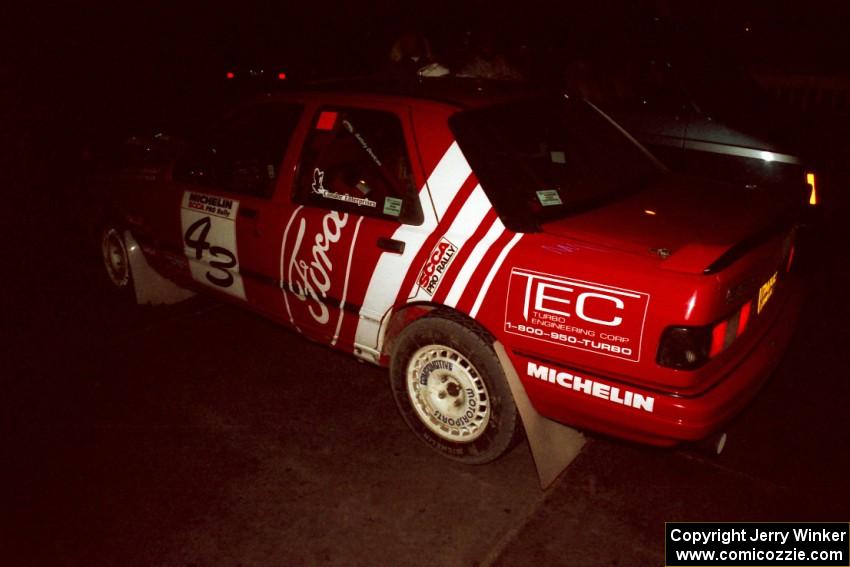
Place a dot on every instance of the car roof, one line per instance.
(461, 93)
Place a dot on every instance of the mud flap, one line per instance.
(553, 445)
(151, 288)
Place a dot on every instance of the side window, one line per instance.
(356, 161)
(243, 153)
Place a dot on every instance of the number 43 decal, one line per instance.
(208, 224)
(199, 243)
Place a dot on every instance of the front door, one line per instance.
(356, 205)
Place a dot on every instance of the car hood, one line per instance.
(688, 223)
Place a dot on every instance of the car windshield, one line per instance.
(544, 159)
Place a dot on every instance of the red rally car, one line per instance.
(416, 230)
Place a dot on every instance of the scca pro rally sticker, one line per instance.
(576, 314)
(209, 241)
(436, 266)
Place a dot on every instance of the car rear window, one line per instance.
(546, 158)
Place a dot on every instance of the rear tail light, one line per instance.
(685, 348)
(688, 348)
(725, 332)
(744, 317)
(718, 338)
(813, 191)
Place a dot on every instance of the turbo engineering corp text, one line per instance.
(761, 544)
(577, 314)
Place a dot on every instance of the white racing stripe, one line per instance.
(282, 278)
(447, 178)
(345, 285)
(468, 220)
(442, 186)
(489, 279)
(471, 264)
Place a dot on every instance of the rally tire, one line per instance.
(451, 390)
(116, 260)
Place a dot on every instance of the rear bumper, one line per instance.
(597, 403)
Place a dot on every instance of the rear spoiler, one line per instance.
(738, 250)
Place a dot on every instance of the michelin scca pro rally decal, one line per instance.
(209, 241)
(576, 314)
(437, 264)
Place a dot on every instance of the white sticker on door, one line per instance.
(209, 241)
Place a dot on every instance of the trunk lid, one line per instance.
(694, 225)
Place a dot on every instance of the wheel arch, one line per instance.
(437, 332)
(407, 313)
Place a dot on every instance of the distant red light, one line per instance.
(281, 76)
(230, 75)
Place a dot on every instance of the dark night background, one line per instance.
(128, 63)
(144, 436)
(78, 73)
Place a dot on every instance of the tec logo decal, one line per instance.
(576, 314)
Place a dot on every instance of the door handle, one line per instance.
(391, 245)
(248, 212)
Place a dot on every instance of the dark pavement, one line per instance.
(199, 434)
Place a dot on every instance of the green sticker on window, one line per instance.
(392, 206)
(549, 197)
